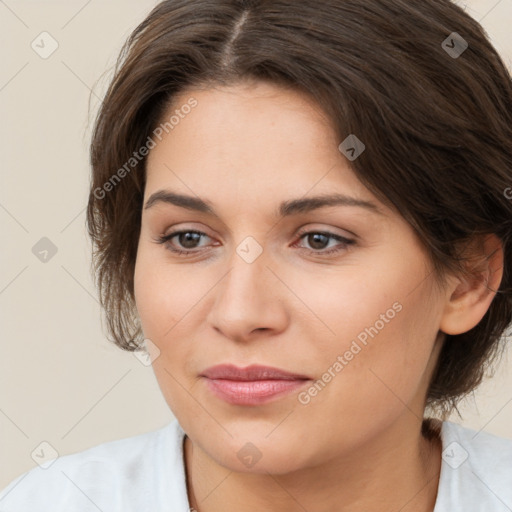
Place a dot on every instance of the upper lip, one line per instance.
(253, 372)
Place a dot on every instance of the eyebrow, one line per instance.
(286, 208)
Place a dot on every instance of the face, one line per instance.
(341, 296)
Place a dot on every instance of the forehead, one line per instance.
(253, 140)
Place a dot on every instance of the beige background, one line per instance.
(60, 380)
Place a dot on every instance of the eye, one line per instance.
(186, 238)
(319, 239)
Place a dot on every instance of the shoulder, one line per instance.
(124, 474)
(476, 470)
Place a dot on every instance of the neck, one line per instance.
(394, 472)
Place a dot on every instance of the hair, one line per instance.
(437, 129)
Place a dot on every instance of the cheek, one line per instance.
(383, 325)
(162, 297)
(172, 304)
(163, 300)
(379, 357)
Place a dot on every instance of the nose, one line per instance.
(249, 300)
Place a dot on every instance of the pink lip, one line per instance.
(252, 385)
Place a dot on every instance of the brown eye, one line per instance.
(319, 240)
(187, 241)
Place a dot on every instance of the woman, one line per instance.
(302, 210)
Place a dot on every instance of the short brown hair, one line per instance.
(435, 117)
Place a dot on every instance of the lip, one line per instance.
(252, 385)
(253, 372)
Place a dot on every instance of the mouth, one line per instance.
(253, 385)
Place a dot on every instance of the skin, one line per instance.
(357, 444)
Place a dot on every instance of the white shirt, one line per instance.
(147, 473)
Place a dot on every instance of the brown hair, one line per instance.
(437, 127)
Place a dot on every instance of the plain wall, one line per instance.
(61, 381)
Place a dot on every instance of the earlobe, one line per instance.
(469, 297)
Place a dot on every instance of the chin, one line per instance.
(259, 456)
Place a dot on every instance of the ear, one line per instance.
(468, 297)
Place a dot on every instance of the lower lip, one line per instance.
(252, 392)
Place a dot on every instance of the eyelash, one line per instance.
(164, 240)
